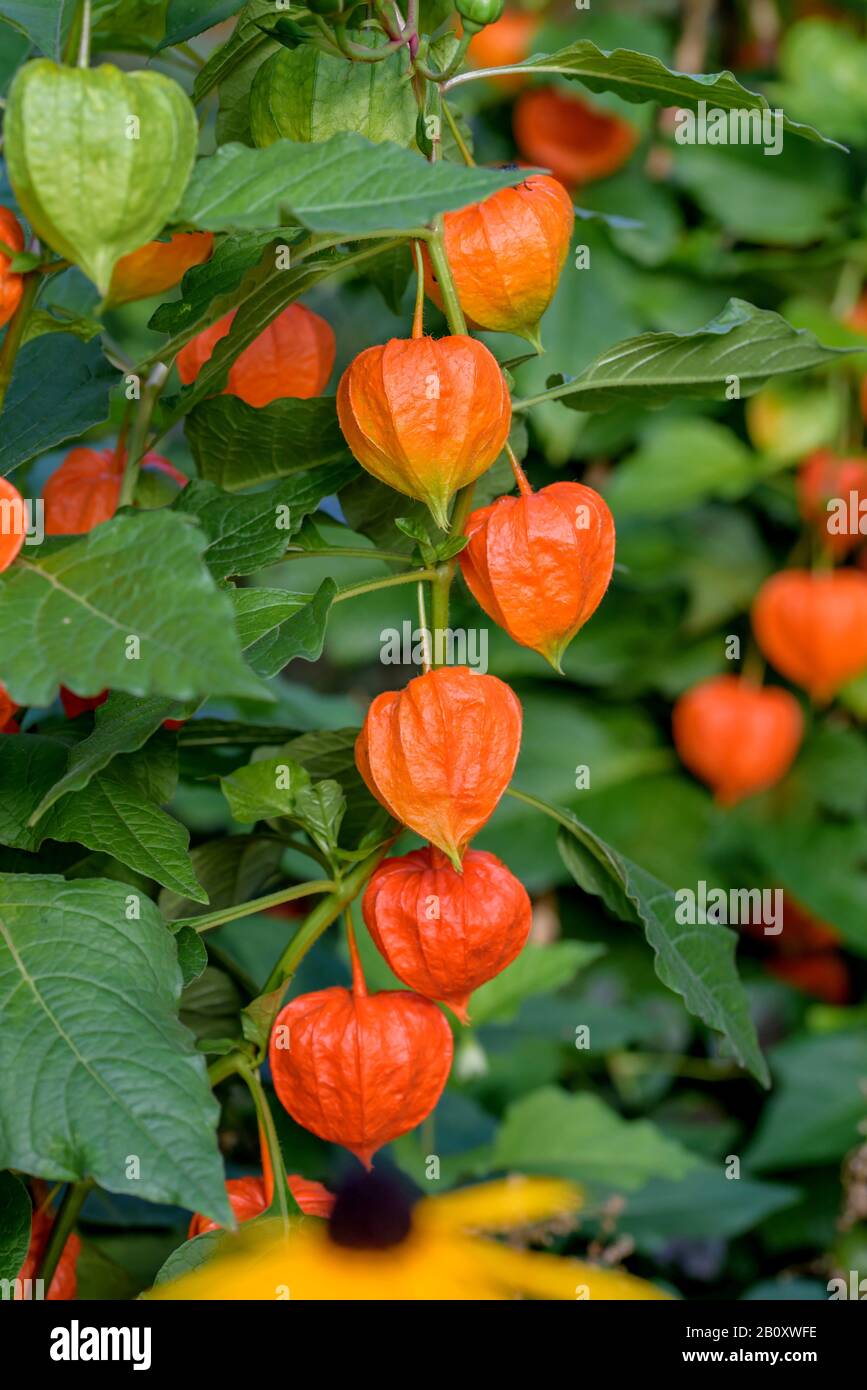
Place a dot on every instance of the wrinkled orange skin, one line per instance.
(534, 570)
(578, 142)
(11, 284)
(293, 356)
(504, 43)
(822, 476)
(158, 265)
(440, 754)
(248, 1197)
(506, 255)
(360, 1070)
(824, 975)
(738, 738)
(444, 933)
(64, 1283)
(13, 523)
(85, 490)
(426, 416)
(813, 627)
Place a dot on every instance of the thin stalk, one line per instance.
(320, 919)
(15, 332)
(191, 53)
(70, 1207)
(326, 39)
(84, 41)
(207, 920)
(357, 52)
(227, 1066)
(348, 552)
(359, 984)
(445, 572)
(422, 618)
(139, 432)
(520, 476)
(457, 137)
(443, 272)
(276, 1168)
(418, 311)
(369, 585)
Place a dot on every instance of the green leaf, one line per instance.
(210, 290)
(391, 273)
(118, 812)
(703, 1204)
(641, 77)
(320, 810)
(537, 970)
(248, 35)
(237, 446)
(192, 954)
(823, 77)
(67, 613)
(15, 1212)
(122, 725)
(92, 183)
(186, 18)
(59, 389)
(246, 534)
(264, 789)
(581, 1139)
(211, 1006)
(306, 95)
(742, 345)
(45, 22)
(190, 1256)
(696, 962)
(275, 627)
(43, 321)
(346, 184)
(89, 999)
(232, 870)
(817, 1110)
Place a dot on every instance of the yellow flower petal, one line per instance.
(499, 1206)
(553, 1277)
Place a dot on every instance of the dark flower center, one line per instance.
(373, 1211)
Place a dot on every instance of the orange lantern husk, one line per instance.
(578, 142)
(442, 933)
(539, 564)
(64, 1281)
(158, 266)
(826, 477)
(813, 627)
(737, 737)
(11, 283)
(440, 753)
(293, 356)
(503, 44)
(13, 523)
(506, 255)
(360, 1069)
(426, 416)
(83, 492)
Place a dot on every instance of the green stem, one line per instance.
(227, 1066)
(268, 1129)
(70, 1207)
(348, 552)
(139, 432)
(443, 272)
(208, 920)
(457, 137)
(369, 585)
(15, 331)
(445, 573)
(191, 53)
(84, 42)
(320, 919)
